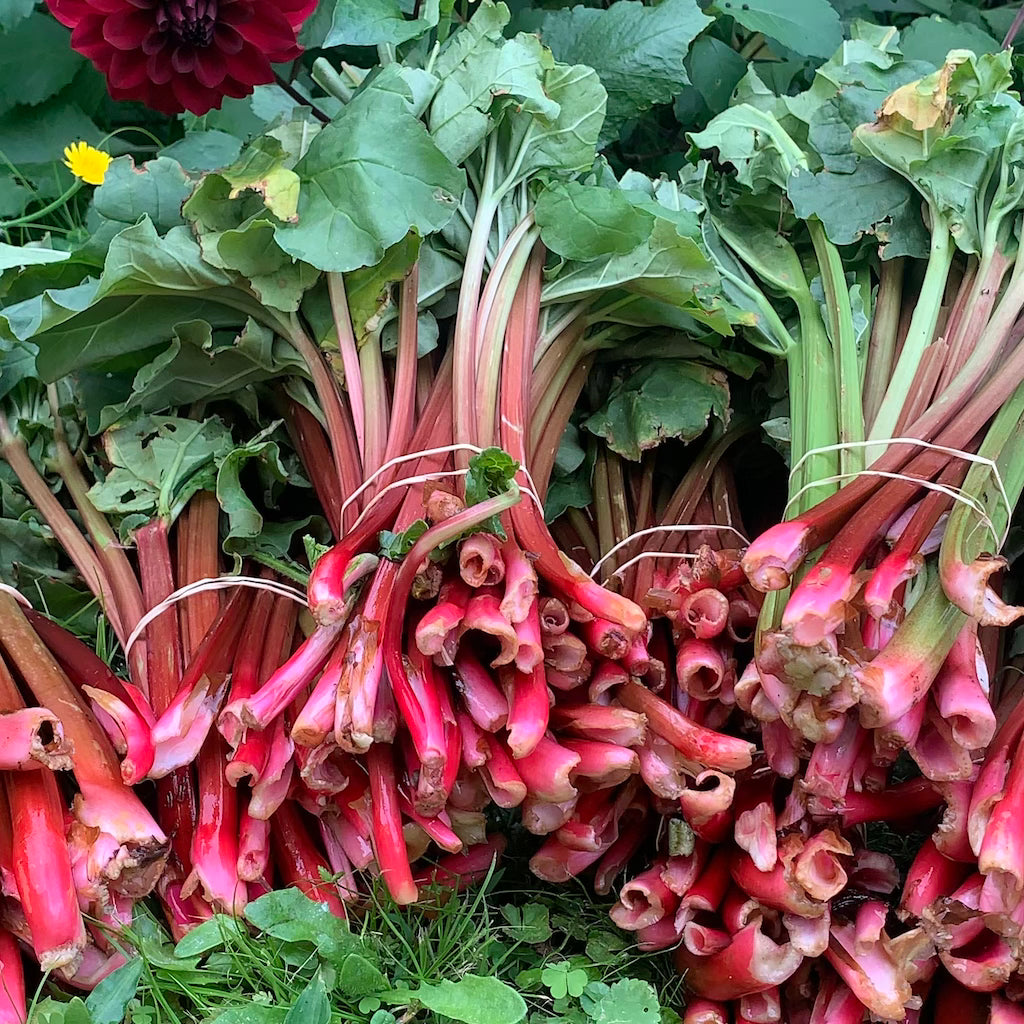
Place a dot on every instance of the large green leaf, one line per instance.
(158, 463)
(810, 27)
(585, 222)
(637, 51)
(109, 1000)
(196, 366)
(35, 62)
(140, 262)
(568, 143)
(12, 256)
(671, 398)
(668, 267)
(871, 201)
(365, 23)
(155, 190)
(204, 151)
(511, 70)
(116, 326)
(368, 179)
(369, 291)
(932, 38)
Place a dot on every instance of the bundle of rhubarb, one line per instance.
(525, 582)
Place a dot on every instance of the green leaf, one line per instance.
(491, 472)
(870, 201)
(251, 1014)
(36, 61)
(629, 1001)
(509, 71)
(290, 916)
(12, 256)
(568, 143)
(49, 1011)
(584, 222)
(244, 520)
(359, 977)
(930, 39)
(14, 11)
(158, 463)
(637, 51)
(395, 546)
(471, 1000)
(212, 934)
(368, 179)
(198, 366)
(204, 151)
(312, 1006)
(110, 998)
(811, 27)
(364, 23)
(369, 291)
(140, 262)
(278, 280)
(263, 168)
(115, 327)
(716, 69)
(156, 190)
(667, 399)
(528, 923)
(668, 267)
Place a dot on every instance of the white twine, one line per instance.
(644, 555)
(957, 494)
(674, 528)
(398, 460)
(421, 478)
(212, 583)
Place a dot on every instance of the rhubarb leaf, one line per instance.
(35, 55)
(584, 222)
(668, 266)
(930, 39)
(199, 364)
(245, 522)
(155, 190)
(364, 23)
(494, 74)
(158, 463)
(12, 256)
(369, 177)
(472, 1000)
(491, 472)
(870, 201)
(667, 399)
(637, 51)
(568, 143)
(312, 1006)
(395, 546)
(109, 1000)
(810, 27)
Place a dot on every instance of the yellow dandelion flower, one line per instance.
(87, 162)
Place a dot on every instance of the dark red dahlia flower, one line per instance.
(176, 55)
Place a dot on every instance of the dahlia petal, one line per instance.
(126, 30)
(156, 41)
(158, 68)
(87, 38)
(183, 60)
(210, 68)
(297, 11)
(195, 98)
(227, 39)
(127, 70)
(249, 66)
(270, 31)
